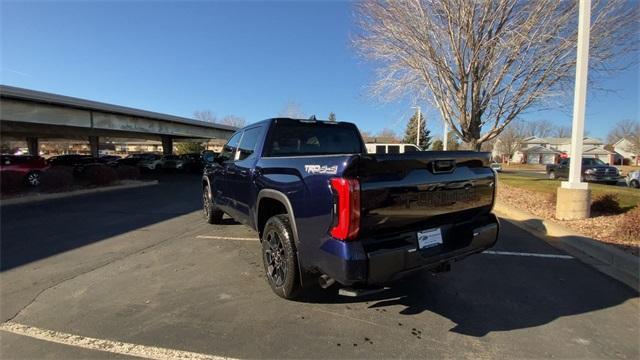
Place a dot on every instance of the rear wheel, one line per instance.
(33, 178)
(552, 175)
(279, 257)
(211, 213)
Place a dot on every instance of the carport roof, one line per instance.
(12, 92)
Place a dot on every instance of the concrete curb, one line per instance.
(614, 262)
(63, 195)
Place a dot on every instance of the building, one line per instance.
(535, 150)
(625, 149)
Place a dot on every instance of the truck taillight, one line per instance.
(347, 207)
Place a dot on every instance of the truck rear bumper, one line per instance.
(384, 264)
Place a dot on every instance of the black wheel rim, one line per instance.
(206, 203)
(276, 259)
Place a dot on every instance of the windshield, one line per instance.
(296, 138)
(591, 161)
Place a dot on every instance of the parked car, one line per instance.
(633, 179)
(376, 148)
(30, 166)
(193, 162)
(107, 159)
(592, 170)
(496, 166)
(70, 160)
(149, 161)
(172, 162)
(326, 210)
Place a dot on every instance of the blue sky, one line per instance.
(248, 59)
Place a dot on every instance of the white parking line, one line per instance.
(225, 238)
(527, 254)
(114, 347)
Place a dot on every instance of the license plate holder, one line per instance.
(429, 238)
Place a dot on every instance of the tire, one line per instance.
(211, 213)
(279, 257)
(552, 175)
(635, 184)
(33, 178)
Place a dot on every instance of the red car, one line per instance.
(31, 166)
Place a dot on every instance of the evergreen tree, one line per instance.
(332, 117)
(410, 132)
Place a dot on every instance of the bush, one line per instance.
(127, 172)
(56, 179)
(100, 175)
(606, 204)
(11, 182)
(629, 226)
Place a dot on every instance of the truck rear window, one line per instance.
(295, 138)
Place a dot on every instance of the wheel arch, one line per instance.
(272, 202)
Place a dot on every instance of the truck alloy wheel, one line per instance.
(211, 213)
(279, 257)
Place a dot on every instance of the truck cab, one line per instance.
(326, 209)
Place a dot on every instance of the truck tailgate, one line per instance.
(414, 191)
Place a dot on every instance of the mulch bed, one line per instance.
(599, 227)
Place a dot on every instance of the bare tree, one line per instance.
(539, 128)
(387, 135)
(510, 140)
(233, 120)
(292, 110)
(204, 115)
(482, 63)
(623, 129)
(562, 131)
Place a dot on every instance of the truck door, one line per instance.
(241, 173)
(220, 187)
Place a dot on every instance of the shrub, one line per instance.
(11, 182)
(100, 175)
(629, 226)
(127, 172)
(56, 179)
(606, 204)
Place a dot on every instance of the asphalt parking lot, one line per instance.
(141, 266)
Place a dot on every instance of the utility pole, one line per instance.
(418, 112)
(574, 196)
(445, 127)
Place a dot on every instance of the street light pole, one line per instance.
(445, 127)
(579, 98)
(418, 112)
(574, 197)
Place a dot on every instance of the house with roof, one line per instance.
(535, 150)
(624, 148)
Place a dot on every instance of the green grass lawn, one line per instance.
(628, 197)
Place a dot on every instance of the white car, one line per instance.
(497, 167)
(633, 179)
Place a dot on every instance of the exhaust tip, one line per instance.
(325, 281)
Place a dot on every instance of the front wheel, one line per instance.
(211, 213)
(635, 184)
(552, 175)
(279, 257)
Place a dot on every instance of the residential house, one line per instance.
(625, 151)
(535, 150)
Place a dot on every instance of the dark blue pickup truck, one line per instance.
(328, 211)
